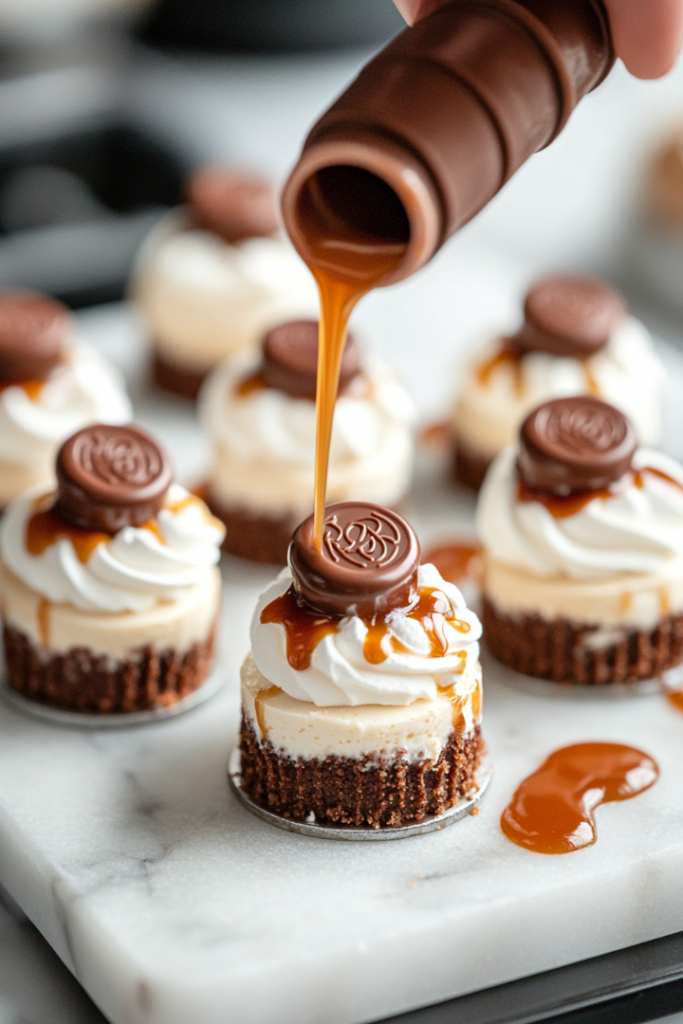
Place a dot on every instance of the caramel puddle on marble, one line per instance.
(456, 560)
(553, 809)
(675, 698)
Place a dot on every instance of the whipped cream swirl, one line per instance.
(84, 389)
(339, 673)
(637, 529)
(627, 373)
(267, 424)
(133, 571)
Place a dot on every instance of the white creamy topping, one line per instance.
(627, 373)
(203, 297)
(132, 571)
(637, 530)
(339, 673)
(270, 424)
(84, 389)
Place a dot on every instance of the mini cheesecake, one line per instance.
(577, 338)
(213, 276)
(583, 550)
(51, 384)
(110, 587)
(259, 413)
(361, 697)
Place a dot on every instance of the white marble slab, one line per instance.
(170, 903)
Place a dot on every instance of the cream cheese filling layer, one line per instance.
(57, 628)
(297, 728)
(627, 600)
(276, 488)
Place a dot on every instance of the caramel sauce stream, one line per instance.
(508, 355)
(347, 261)
(552, 810)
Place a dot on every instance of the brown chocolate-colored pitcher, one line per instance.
(435, 125)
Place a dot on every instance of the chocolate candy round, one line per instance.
(569, 316)
(232, 204)
(33, 332)
(368, 563)
(111, 476)
(575, 444)
(290, 359)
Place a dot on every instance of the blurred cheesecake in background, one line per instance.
(656, 255)
(582, 530)
(51, 384)
(577, 339)
(215, 275)
(258, 409)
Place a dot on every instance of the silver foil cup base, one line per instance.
(359, 834)
(85, 720)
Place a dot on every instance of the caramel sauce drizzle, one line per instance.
(552, 810)
(305, 627)
(675, 697)
(259, 707)
(32, 388)
(561, 506)
(43, 619)
(253, 382)
(458, 702)
(456, 561)
(46, 527)
(507, 355)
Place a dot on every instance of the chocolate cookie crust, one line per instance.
(371, 791)
(83, 681)
(560, 651)
(177, 380)
(468, 467)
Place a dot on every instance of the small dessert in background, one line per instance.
(577, 338)
(656, 252)
(215, 275)
(259, 412)
(361, 697)
(583, 550)
(51, 384)
(110, 586)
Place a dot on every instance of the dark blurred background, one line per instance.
(84, 173)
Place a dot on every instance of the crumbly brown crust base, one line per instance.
(359, 791)
(80, 680)
(467, 467)
(559, 650)
(252, 535)
(176, 379)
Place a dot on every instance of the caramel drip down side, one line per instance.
(553, 809)
(43, 617)
(260, 710)
(304, 627)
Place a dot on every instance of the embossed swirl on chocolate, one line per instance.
(110, 477)
(233, 204)
(368, 563)
(372, 542)
(572, 316)
(33, 331)
(290, 359)
(575, 444)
